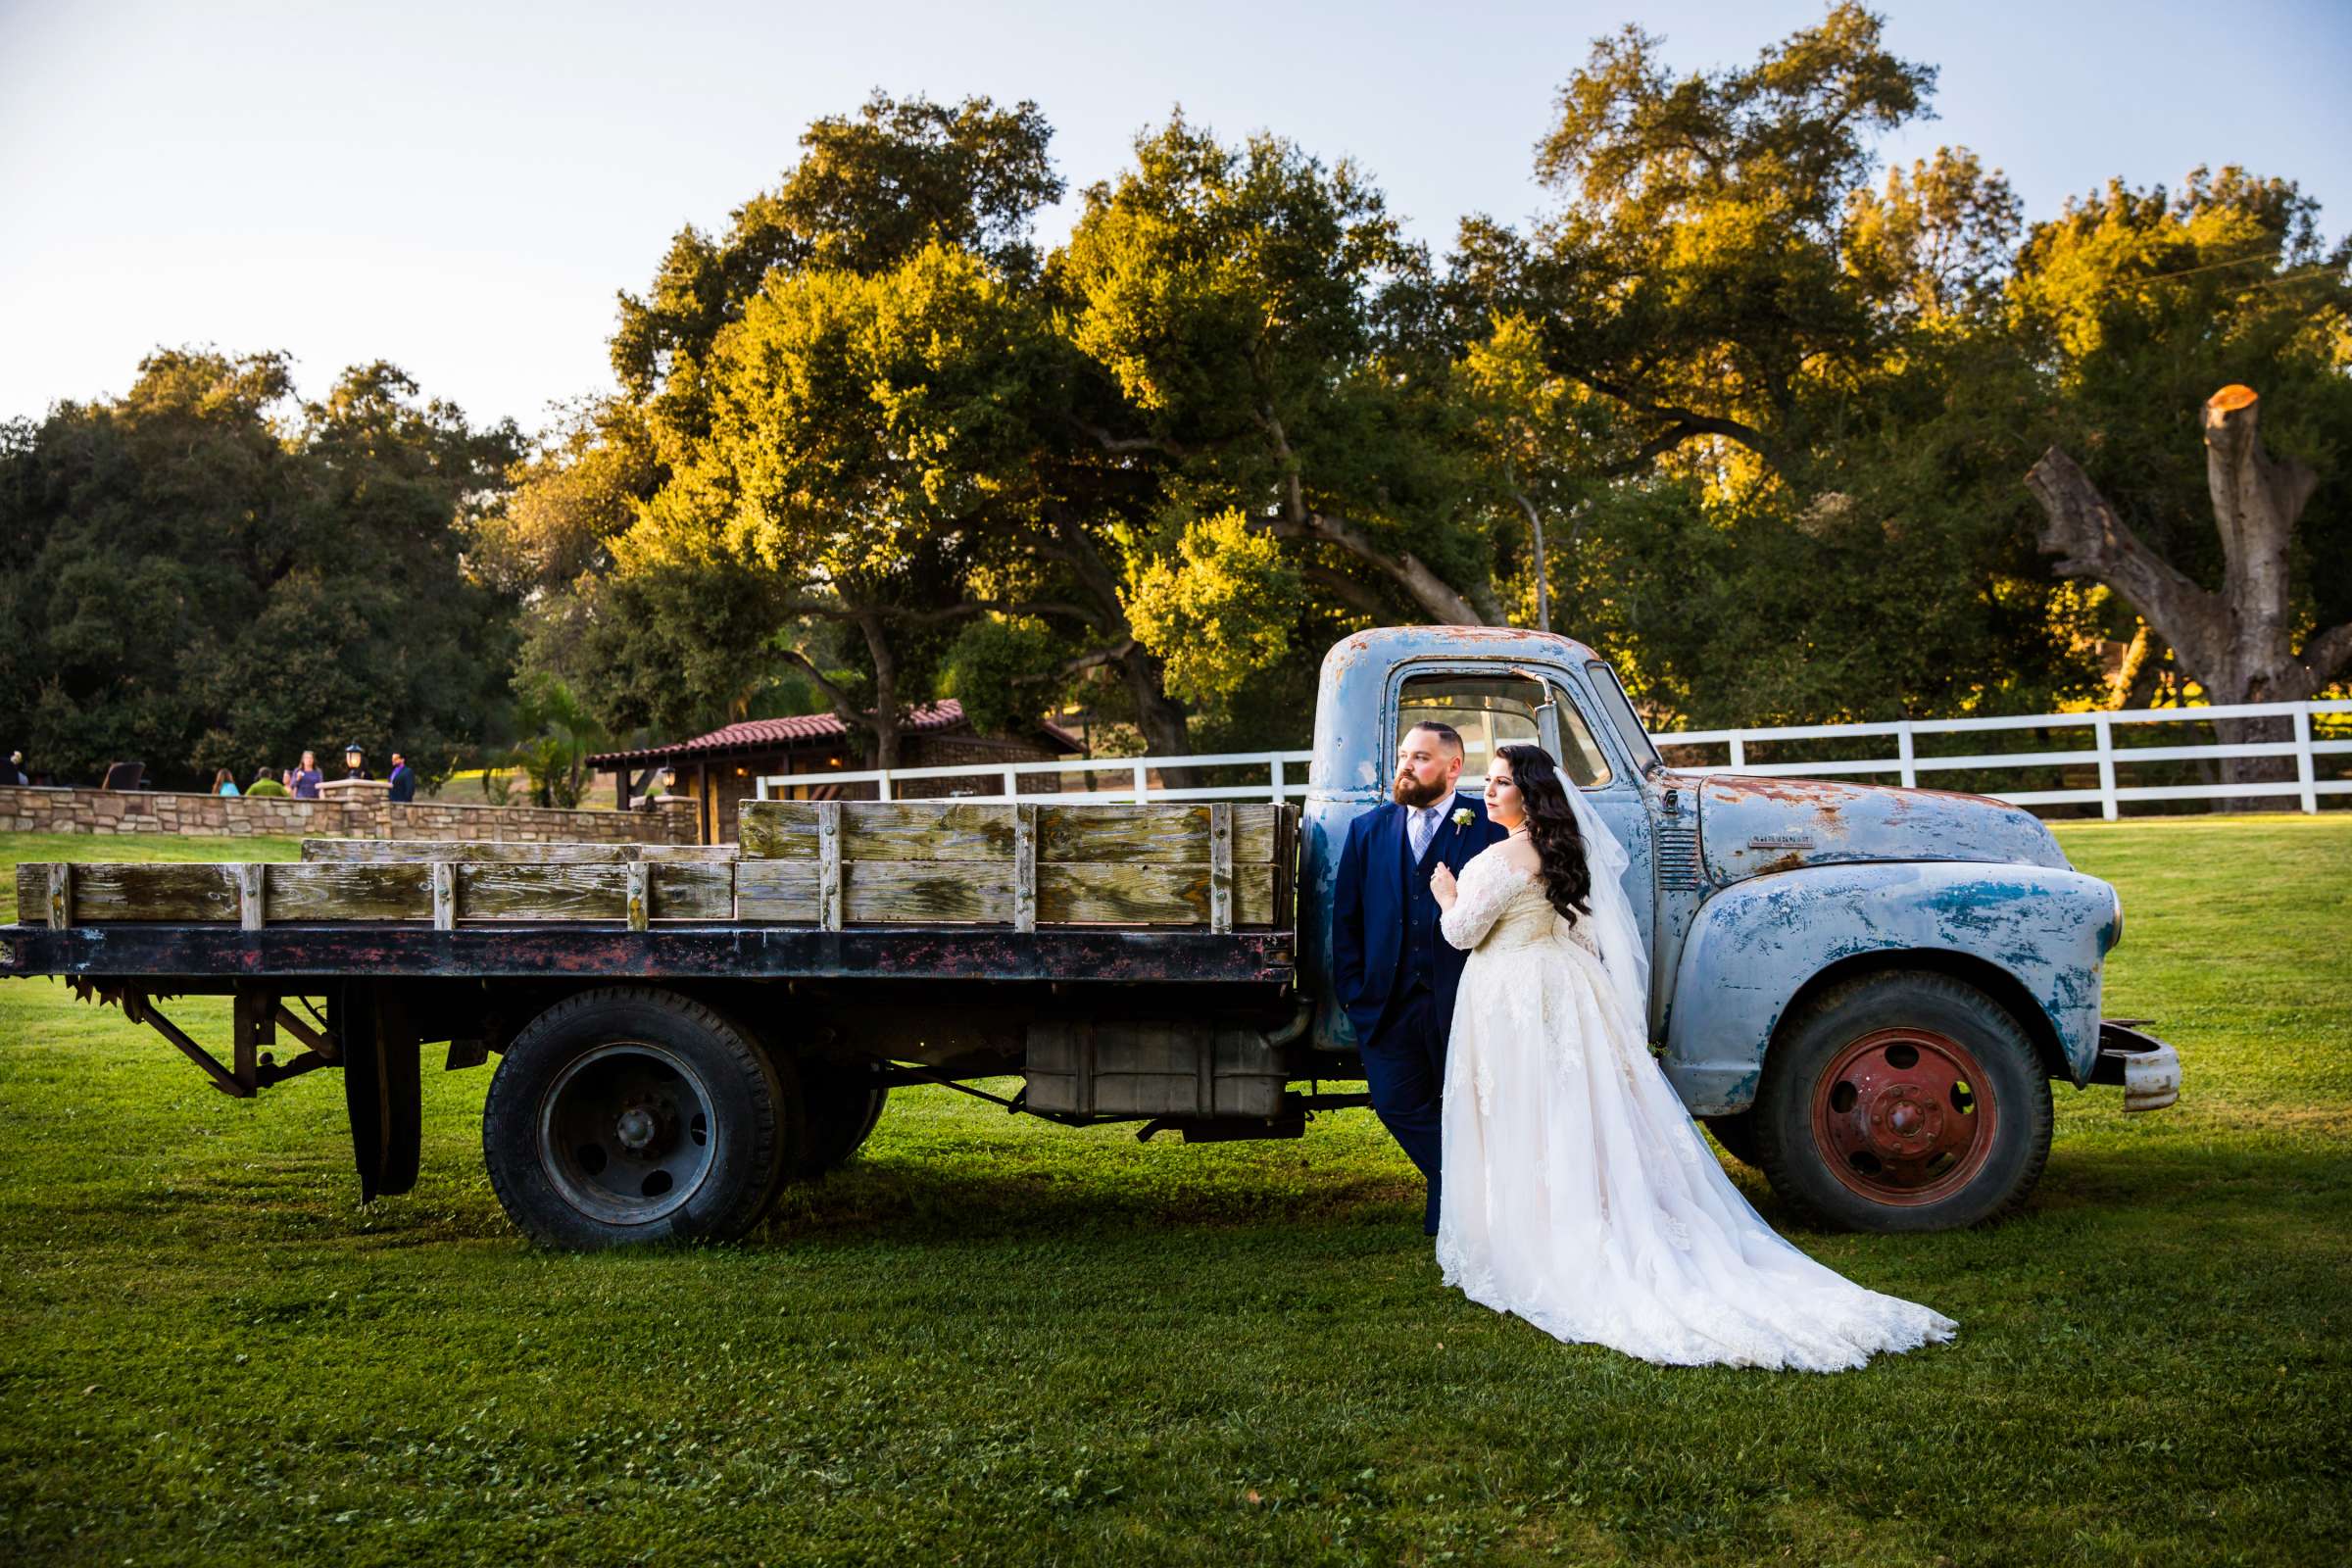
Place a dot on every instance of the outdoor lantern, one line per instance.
(352, 754)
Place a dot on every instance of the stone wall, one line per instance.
(105, 812)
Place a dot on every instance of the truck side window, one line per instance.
(1491, 712)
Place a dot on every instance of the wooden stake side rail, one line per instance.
(221, 956)
(1022, 866)
(491, 852)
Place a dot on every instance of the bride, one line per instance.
(1578, 1193)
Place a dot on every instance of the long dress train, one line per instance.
(1577, 1193)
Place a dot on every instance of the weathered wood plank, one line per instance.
(542, 893)
(640, 896)
(1160, 834)
(299, 892)
(85, 893)
(880, 830)
(776, 891)
(493, 852)
(1024, 866)
(776, 830)
(691, 890)
(445, 896)
(253, 900)
(1150, 834)
(1148, 895)
(926, 891)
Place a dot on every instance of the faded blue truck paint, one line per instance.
(1756, 945)
(1750, 888)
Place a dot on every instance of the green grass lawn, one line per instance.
(992, 1341)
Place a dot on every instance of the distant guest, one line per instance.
(265, 782)
(225, 782)
(404, 781)
(307, 778)
(16, 769)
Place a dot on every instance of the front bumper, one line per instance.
(2145, 1067)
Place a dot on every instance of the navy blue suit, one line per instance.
(1395, 974)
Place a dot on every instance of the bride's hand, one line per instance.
(1441, 883)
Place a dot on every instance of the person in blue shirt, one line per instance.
(308, 778)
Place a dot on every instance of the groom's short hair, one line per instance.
(1442, 730)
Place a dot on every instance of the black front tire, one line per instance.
(1737, 1136)
(1835, 1079)
(631, 1116)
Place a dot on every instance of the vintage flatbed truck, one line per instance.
(1866, 992)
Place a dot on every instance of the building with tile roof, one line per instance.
(719, 770)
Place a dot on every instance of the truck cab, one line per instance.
(1866, 992)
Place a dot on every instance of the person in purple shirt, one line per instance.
(308, 778)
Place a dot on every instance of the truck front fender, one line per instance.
(1756, 947)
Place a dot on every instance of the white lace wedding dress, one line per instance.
(1578, 1193)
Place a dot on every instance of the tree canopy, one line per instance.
(1745, 408)
(204, 573)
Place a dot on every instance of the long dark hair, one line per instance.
(1552, 828)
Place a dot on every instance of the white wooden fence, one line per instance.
(1286, 778)
(1907, 764)
(1285, 772)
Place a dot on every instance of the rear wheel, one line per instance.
(1903, 1102)
(632, 1116)
(844, 1102)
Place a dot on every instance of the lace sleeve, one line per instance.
(1485, 888)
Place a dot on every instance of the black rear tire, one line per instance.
(631, 1116)
(844, 1102)
(1903, 1100)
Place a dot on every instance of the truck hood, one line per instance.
(1750, 827)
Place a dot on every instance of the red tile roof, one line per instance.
(802, 729)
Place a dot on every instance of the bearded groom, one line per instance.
(1394, 974)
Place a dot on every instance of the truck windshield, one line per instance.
(1493, 711)
(1620, 710)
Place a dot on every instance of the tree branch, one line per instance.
(2327, 654)
(1431, 592)
(1096, 660)
(833, 610)
(1122, 445)
(2081, 529)
(1345, 589)
(838, 699)
(1683, 424)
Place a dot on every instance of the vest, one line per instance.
(1419, 951)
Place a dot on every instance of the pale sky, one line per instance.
(461, 189)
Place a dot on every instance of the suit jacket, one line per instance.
(1369, 900)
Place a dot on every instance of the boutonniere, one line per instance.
(1464, 817)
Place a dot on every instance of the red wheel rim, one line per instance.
(1904, 1116)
